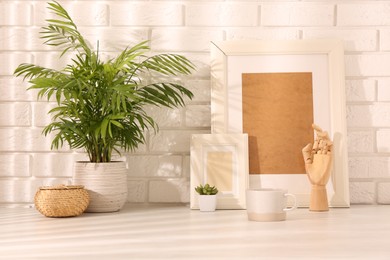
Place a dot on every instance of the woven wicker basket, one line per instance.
(61, 201)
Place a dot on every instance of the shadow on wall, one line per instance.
(169, 191)
(368, 124)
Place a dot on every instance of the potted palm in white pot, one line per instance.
(100, 104)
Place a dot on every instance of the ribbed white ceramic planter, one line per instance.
(106, 184)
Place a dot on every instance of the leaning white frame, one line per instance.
(238, 145)
(222, 101)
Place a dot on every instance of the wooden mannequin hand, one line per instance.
(318, 158)
(318, 164)
(319, 169)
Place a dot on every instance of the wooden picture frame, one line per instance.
(325, 60)
(220, 160)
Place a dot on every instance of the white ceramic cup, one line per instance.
(268, 204)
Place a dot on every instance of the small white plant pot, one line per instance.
(207, 203)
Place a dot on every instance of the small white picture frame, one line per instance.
(325, 60)
(220, 160)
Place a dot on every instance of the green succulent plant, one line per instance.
(206, 189)
(100, 104)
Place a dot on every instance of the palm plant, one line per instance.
(100, 104)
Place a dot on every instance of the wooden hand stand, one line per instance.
(318, 164)
(318, 198)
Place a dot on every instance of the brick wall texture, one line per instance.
(159, 170)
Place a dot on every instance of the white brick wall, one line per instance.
(86, 13)
(186, 39)
(354, 39)
(297, 14)
(363, 13)
(360, 90)
(146, 14)
(15, 13)
(384, 193)
(159, 170)
(221, 14)
(362, 192)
